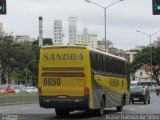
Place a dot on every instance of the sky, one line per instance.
(122, 19)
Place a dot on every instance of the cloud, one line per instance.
(123, 19)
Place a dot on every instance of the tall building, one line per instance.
(113, 50)
(87, 39)
(157, 42)
(23, 39)
(130, 54)
(101, 44)
(72, 30)
(57, 32)
(1, 28)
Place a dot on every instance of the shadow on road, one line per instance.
(77, 115)
(84, 115)
(139, 103)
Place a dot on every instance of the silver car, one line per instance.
(20, 89)
(31, 89)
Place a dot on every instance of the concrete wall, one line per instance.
(18, 99)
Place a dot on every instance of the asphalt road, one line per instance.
(34, 112)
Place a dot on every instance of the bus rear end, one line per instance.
(62, 78)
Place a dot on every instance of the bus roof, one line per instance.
(82, 47)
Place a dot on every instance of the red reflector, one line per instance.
(86, 91)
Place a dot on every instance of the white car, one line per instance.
(31, 89)
(20, 88)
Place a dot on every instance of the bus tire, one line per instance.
(100, 111)
(120, 108)
(62, 112)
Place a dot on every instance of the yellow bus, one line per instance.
(81, 78)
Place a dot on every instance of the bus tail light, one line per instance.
(86, 91)
(40, 91)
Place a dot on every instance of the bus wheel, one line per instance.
(100, 111)
(62, 112)
(120, 108)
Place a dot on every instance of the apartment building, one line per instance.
(72, 30)
(57, 32)
(157, 42)
(87, 39)
(101, 44)
(23, 39)
(1, 28)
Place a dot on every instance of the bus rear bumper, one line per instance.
(71, 103)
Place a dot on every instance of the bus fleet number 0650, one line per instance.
(52, 81)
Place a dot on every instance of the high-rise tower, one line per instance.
(57, 32)
(72, 30)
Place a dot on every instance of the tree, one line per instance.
(34, 66)
(47, 41)
(25, 55)
(6, 56)
(14, 57)
(143, 58)
(19, 77)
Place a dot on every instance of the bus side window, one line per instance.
(107, 64)
(101, 63)
(98, 63)
(123, 68)
(126, 69)
(114, 66)
(118, 66)
(93, 61)
(111, 65)
(104, 64)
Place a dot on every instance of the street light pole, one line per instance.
(150, 39)
(104, 15)
(105, 29)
